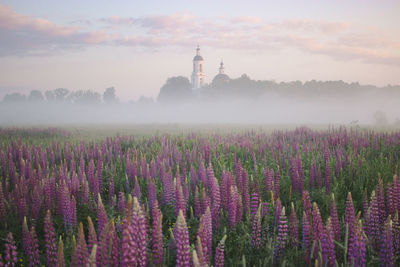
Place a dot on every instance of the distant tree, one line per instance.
(84, 97)
(145, 100)
(14, 98)
(50, 96)
(380, 118)
(176, 89)
(109, 96)
(35, 96)
(57, 95)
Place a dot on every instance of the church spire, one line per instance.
(221, 68)
(198, 74)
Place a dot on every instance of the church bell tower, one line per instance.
(198, 74)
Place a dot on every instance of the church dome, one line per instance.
(197, 58)
(222, 77)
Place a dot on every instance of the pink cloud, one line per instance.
(338, 40)
(11, 20)
(27, 35)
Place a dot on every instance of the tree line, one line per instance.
(63, 95)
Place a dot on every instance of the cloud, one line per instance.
(26, 35)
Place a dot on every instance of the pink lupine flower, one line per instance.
(81, 255)
(219, 253)
(92, 236)
(157, 235)
(281, 239)
(10, 253)
(386, 252)
(50, 241)
(328, 245)
(293, 228)
(256, 228)
(334, 219)
(349, 220)
(181, 237)
(101, 215)
(307, 238)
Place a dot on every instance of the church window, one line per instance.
(201, 68)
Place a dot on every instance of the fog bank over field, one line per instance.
(268, 109)
(237, 101)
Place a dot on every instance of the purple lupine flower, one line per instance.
(26, 238)
(121, 202)
(10, 253)
(317, 227)
(50, 241)
(216, 203)
(328, 177)
(142, 233)
(136, 190)
(281, 239)
(180, 202)
(92, 236)
(254, 203)
(80, 255)
(307, 203)
(3, 210)
(239, 210)
(386, 252)
(157, 235)
(256, 228)
(224, 189)
(205, 201)
(389, 199)
(373, 227)
(360, 255)
(245, 192)
(168, 188)
(349, 220)
(219, 253)
(111, 191)
(334, 219)
(396, 233)
(278, 210)
(152, 193)
(104, 244)
(313, 173)
(181, 237)
(135, 237)
(380, 193)
(328, 245)
(202, 248)
(208, 230)
(277, 184)
(307, 238)
(129, 244)
(268, 180)
(101, 215)
(34, 248)
(115, 250)
(197, 203)
(293, 228)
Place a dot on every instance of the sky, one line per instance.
(136, 45)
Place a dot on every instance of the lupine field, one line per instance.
(298, 197)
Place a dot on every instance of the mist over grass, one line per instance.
(237, 101)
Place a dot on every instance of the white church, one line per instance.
(198, 74)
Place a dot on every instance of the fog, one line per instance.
(270, 108)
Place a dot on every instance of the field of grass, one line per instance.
(190, 195)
